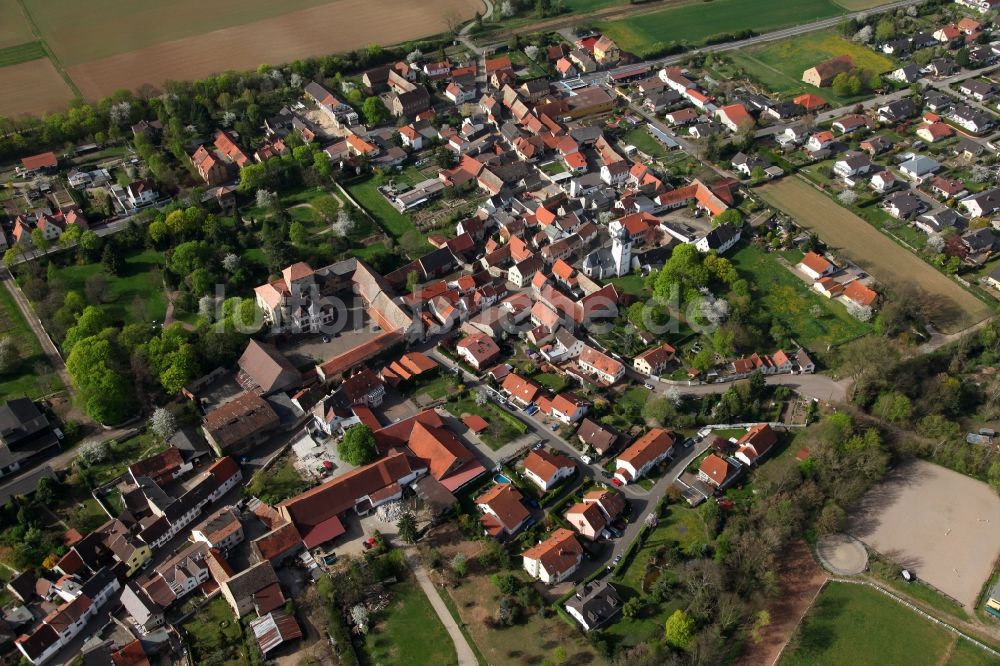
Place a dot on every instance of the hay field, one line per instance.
(891, 264)
(859, 5)
(14, 29)
(693, 23)
(937, 522)
(330, 28)
(38, 86)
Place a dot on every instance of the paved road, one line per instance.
(466, 656)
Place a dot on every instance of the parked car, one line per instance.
(616, 483)
(649, 386)
(537, 445)
(554, 426)
(586, 460)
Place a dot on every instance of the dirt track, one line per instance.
(890, 263)
(32, 87)
(801, 579)
(336, 28)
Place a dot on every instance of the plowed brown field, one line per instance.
(332, 28)
(32, 87)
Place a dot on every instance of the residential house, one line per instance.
(599, 437)
(587, 520)
(504, 513)
(904, 205)
(935, 131)
(655, 360)
(755, 444)
(546, 469)
(883, 181)
(897, 110)
(919, 167)
(478, 350)
(823, 74)
(222, 530)
(852, 164)
(597, 603)
(815, 266)
(648, 451)
(982, 204)
(600, 366)
(554, 559)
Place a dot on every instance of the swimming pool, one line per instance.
(500, 478)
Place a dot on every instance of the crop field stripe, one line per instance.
(889, 262)
(15, 55)
(695, 22)
(48, 51)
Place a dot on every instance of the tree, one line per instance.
(864, 35)
(163, 423)
(459, 564)
(357, 446)
(632, 607)
(893, 407)
(374, 111)
(39, 240)
(297, 233)
(729, 216)
(679, 629)
(831, 519)
(761, 620)
(407, 527)
(112, 260)
(10, 356)
(847, 197)
(885, 30)
(507, 9)
(93, 453)
(359, 615)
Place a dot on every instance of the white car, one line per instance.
(585, 459)
(649, 386)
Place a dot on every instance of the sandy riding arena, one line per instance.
(939, 523)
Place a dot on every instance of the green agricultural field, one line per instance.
(134, 296)
(584, 6)
(787, 298)
(779, 65)
(15, 55)
(694, 23)
(33, 377)
(13, 28)
(852, 624)
(408, 631)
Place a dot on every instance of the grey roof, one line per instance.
(597, 602)
(920, 164)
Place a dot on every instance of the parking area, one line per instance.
(311, 348)
(935, 522)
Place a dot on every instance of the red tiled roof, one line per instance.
(475, 423)
(40, 161)
(544, 465)
(715, 467)
(557, 554)
(277, 542)
(650, 446)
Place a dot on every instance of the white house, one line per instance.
(553, 560)
(600, 365)
(546, 469)
(648, 451)
(815, 266)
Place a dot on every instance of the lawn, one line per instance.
(408, 632)
(503, 428)
(583, 6)
(123, 454)
(552, 381)
(853, 624)
(215, 636)
(14, 55)
(780, 64)
(695, 22)
(87, 518)
(277, 483)
(682, 525)
(814, 321)
(633, 284)
(394, 222)
(134, 296)
(33, 377)
(969, 654)
(640, 137)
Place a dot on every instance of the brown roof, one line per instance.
(277, 542)
(612, 500)
(560, 552)
(481, 346)
(505, 501)
(238, 419)
(267, 367)
(588, 513)
(439, 447)
(657, 356)
(715, 467)
(650, 446)
(341, 493)
(757, 441)
(544, 465)
(596, 435)
(159, 466)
